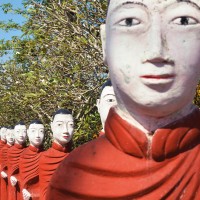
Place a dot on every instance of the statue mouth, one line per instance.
(162, 76)
(66, 135)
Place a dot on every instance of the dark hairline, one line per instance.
(61, 111)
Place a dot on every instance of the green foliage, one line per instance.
(197, 97)
(56, 63)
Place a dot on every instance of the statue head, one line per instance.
(62, 126)
(152, 50)
(35, 133)
(3, 133)
(20, 133)
(10, 135)
(106, 101)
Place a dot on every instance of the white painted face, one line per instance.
(10, 136)
(62, 128)
(20, 134)
(36, 134)
(3, 133)
(152, 50)
(106, 101)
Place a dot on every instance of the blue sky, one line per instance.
(15, 18)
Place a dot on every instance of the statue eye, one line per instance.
(110, 100)
(129, 22)
(185, 21)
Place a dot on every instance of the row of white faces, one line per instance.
(62, 128)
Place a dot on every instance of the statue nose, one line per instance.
(65, 129)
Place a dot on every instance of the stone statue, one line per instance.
(29, 162)
(4, 164)
(105, 102)
(151, 146)
(3, 137)
(14, 154)
(62, 127)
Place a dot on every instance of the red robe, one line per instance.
(13, 169)
(29, 171)
(125, 165)
(49, 162)
(2, 144)
(4, 167)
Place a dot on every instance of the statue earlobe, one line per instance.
(97, 104)
(28, 132)
(103, 41)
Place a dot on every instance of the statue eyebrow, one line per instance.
(130, 3)
(191, 2)
(134, 2)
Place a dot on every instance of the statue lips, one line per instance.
(37, 139)
(157, 79)
(21, 138)
(162, 76)
(66, 135)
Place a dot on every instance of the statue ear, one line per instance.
(103, 41)
(97, 104)
(28, 132)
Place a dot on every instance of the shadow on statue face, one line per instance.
(152, 50)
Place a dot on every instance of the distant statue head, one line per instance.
(10, 138)
(106, 101)
(3, 133)
(35, 133)
(62, 126)
(152, 50)
(20, 133)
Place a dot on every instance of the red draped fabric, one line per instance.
(4, 167)
(29, 171)
(124, 164)
(13, 169)
(49, 162)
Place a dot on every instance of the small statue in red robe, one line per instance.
(2, 138)
(62, 127)
(5, 185)
(105, 102)
(14, 154)
(29, 162)
(2, 144)
(151, 148)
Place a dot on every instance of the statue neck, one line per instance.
(149, 124)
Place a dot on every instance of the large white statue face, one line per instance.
(106, 101)
(62, 128)
(152, 49)
(10, 136)
(36, 134)
(3, 133)
(20, 134)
